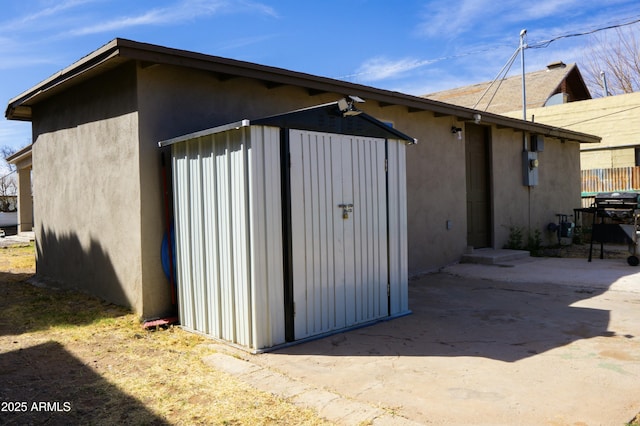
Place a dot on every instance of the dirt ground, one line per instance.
(67, 358)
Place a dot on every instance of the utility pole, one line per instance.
(523, 46)
(604, 83)
(523, 33)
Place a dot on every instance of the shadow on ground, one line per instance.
(25, 307)
(45, 384)
(462, 317)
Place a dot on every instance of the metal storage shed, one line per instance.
(290, 227)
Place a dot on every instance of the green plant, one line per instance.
(516, 238)
(534, 242)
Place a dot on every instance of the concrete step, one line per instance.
(489, 256)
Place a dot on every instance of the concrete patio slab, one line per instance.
(538, 342)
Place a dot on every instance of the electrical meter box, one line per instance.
(537, 143)
(530, 168)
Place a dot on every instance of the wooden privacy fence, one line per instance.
(622, 179)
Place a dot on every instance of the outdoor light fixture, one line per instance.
(346, 106)
(477, 118)
(457, 130)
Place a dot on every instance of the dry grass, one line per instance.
(68, 347)
(18, 258)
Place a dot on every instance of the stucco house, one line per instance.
(98, 189)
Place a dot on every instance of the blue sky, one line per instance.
(412, 46)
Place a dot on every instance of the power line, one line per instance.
(539, 45)
(535, 45)
(7, 175)
(503, 72)
(601, 116)
(545, 43)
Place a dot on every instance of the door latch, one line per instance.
(346, 209)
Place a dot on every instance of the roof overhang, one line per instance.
(107, 57)
(119, 51)
(327, 118)
(21, 158)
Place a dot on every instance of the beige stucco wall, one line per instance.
(532, 208)
(435, 187)
(86, 189)
(98, 183)
(25, 200)
(172, 102)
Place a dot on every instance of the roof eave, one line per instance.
(19, 108)
(20, 155)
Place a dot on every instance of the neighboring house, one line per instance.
(98, 204)
(558, 84)
(24, 202)
(613, 164)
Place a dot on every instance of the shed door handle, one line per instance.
(346, 209)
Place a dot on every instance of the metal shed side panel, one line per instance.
(267, 268)
(212, 236)
(398, 251)
(196, 235)
(240, 244)
(224, 260)
(212, 302)
(180, 165)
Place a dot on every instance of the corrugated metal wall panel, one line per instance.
(210, 236)
(610, 180)
(239, 244)
(398, 243)
(229, 235)
(339, 265)
(316, 279)
(229, 247)
(195, 242)
(267, 273)
(180, 169)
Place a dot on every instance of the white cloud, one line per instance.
(480, 18)
(381, 68)
(449, 19)
(14, 61)
(543, 9)
(260, 8)
(183, 11)
(35, 20)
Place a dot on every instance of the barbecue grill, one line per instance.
(615, 220)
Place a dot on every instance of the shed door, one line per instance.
(338, 231)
